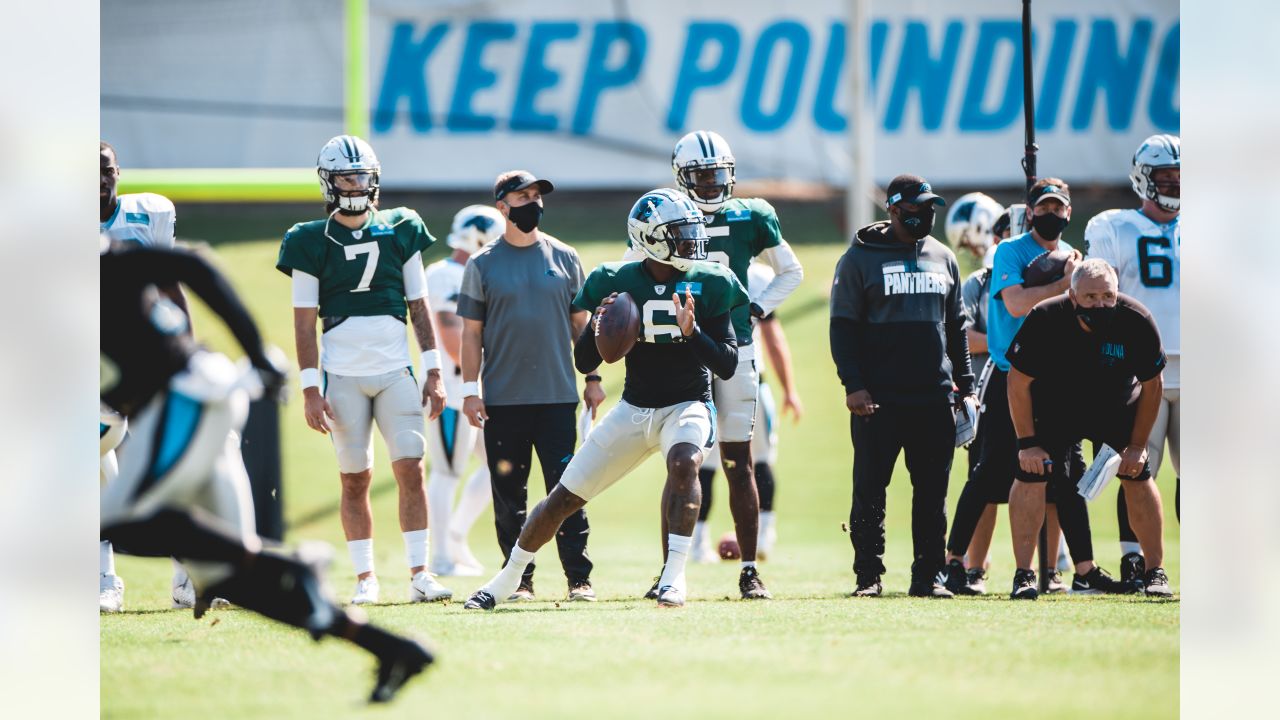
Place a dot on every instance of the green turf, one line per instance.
(812, 650)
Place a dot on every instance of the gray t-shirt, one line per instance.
(524, 296)
(974, 294)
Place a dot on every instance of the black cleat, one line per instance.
(1024, 585)
(976, 582)
(750, 585)
(1133, 570)
(480, 600)
(653, 591)
(1055, 584)
(930, 588)
(524, 593)
(957, 580)
(396, 667)
(1098, 581)
(869, 586)
(1156, 584)
(581, 591)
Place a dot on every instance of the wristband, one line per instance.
(756, 311)
(430, 361)
(310, 378)
(470, 389)
(1026, 443)
(594, 378)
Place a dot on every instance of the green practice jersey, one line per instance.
(361, 271)
(662, 369)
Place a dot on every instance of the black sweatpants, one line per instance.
(511, 435)
(927, 434)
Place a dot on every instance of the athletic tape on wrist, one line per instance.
(430, 361)
(470, 388)
(310, 378)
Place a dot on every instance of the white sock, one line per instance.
(179, 573)
(361, 552)
(748, 564)
(476, 495)
(440, 487)
(700, 534)
(508, 578)
(766, 529)
(106, 559)
(1130, 547)
(677, 556)
(416, 545)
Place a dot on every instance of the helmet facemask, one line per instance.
(709, 186)
(1155, 153)
(1151, 189)
(353, 192)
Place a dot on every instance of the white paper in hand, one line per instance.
(1105, 465)
(966, 422)
(585, 424)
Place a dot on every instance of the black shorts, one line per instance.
(997, 445)
(1060, 435)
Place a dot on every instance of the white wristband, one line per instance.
(310, 378)
(430, 361)
(470, 389)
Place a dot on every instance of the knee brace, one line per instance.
(354, 460)
(408, 444)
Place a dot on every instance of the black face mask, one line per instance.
(918, 223)
(1049, 226)
(526, 216)
(1096, 319)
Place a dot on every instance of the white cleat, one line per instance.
(425, 588)
(670, 596)
(110, 593)
(184, 596)
(366, 591)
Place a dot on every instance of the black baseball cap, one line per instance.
(513, 180)
(911, 189)
(1046, 188)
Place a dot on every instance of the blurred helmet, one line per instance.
(703, 164)
(1157, 151)
(348, 172)
(970, 221)
(664, 222)
(474, 227)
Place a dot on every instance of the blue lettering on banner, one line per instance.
(927, 74)
(1110, 63)
(598, 76)
(537, 77)
(692, 76)
(1107, 70)
(473, 76)
(753, 115)
(405, 76)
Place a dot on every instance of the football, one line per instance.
(619, 328)
(729, 549)
(1045, 268)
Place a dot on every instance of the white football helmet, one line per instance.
(703, 163)
(970, 221)
(1157, 151)
(348, 172)
(662, 222)
(474, 227)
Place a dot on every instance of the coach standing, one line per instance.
(898, 341)
(1085, 366)
(516, 308)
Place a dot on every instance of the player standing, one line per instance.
(738, 229)
(359, 272)
(451, 439)
(1144, 245)
(687, 330)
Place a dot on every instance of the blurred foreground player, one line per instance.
(685, 330)
(182, 489)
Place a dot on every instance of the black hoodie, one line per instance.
(897, 324)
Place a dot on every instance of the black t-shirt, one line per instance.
(1088, 370)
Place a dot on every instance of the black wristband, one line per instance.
(594, 378)
(756, 310)
(1029, 442)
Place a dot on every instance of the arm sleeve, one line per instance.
(1027, 352)
(586, 356)
(788, 275)
(306, 290)
(471, 300)
(415, 278)
(846, 338)
(715, 346)
(957, 340)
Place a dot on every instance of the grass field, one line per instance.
(813, 650)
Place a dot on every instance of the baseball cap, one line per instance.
(1048, 188)
(912, 189)
(509, 182)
